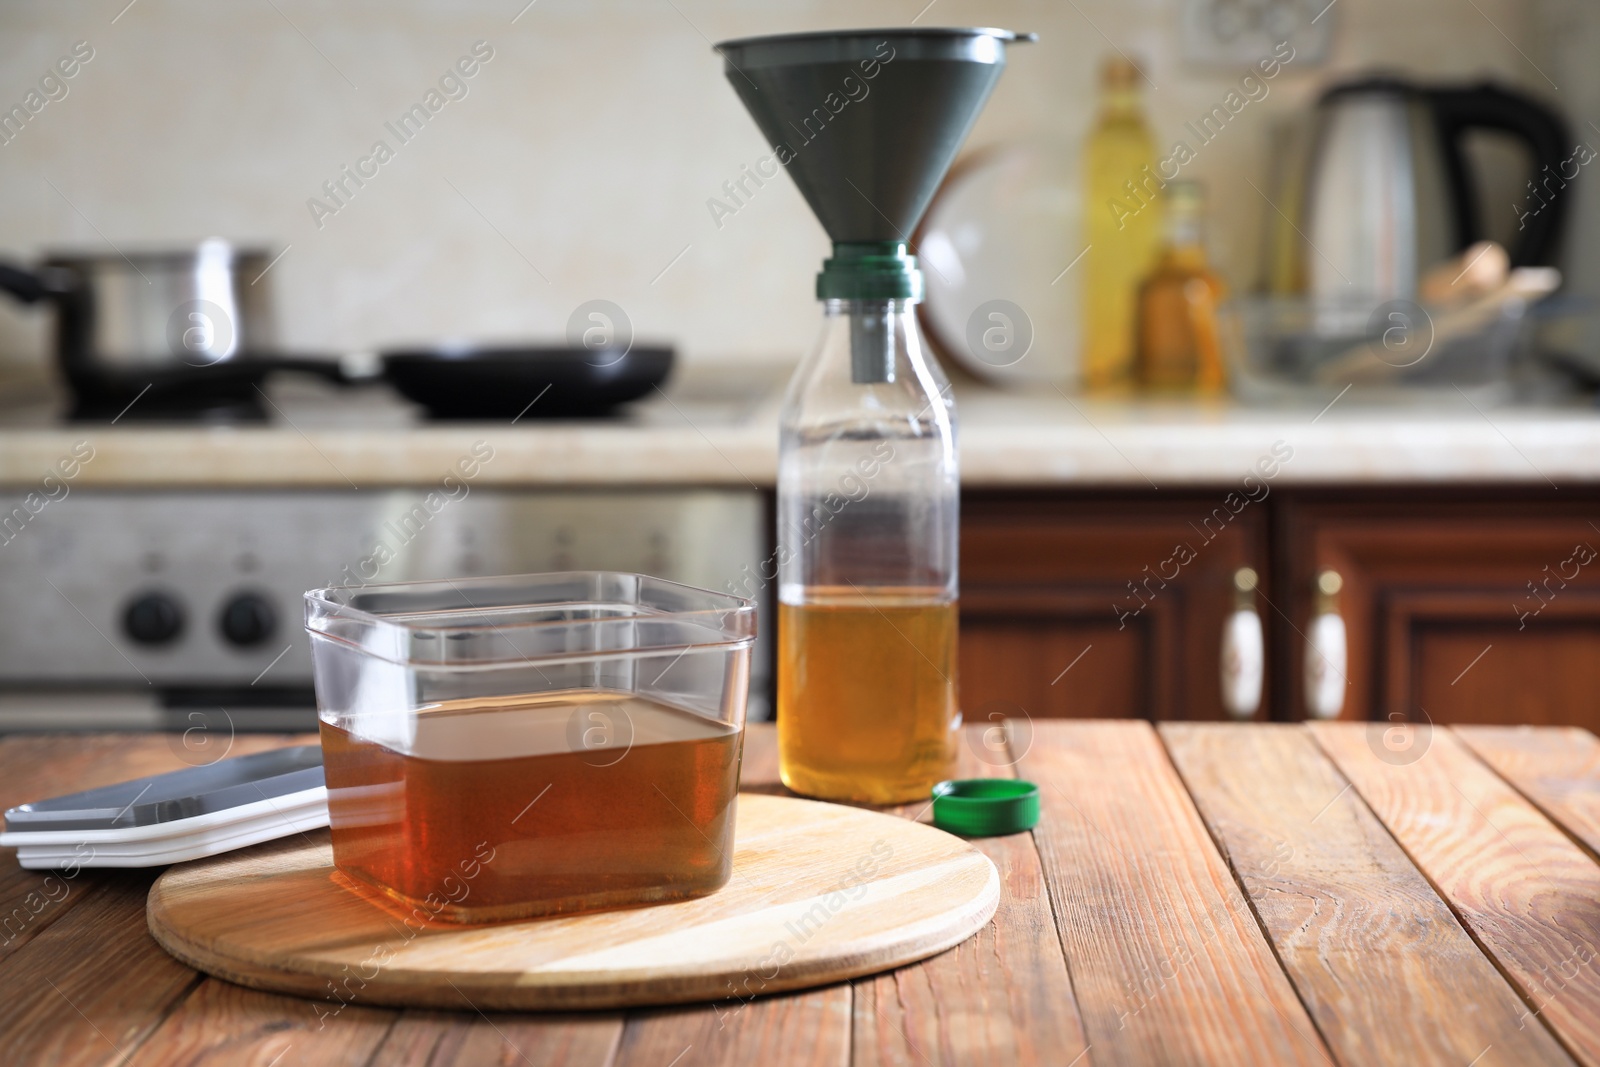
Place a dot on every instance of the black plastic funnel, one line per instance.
(867, 121)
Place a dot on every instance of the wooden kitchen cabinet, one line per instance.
(1477, 605)
(1090, 606)
(1459, 608)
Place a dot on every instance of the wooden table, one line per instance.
(1195, 893)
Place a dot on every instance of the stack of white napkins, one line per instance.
(168, 818)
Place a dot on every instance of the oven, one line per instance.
(181, 610)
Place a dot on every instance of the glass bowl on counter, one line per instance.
(1297, 350)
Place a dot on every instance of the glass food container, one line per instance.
(499, 748)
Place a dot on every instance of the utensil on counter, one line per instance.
(193, 325)
(1377, 187)
(468, 382)
(1481, 269)
(181, 815)
(1003, 227)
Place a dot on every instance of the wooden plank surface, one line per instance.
(1164, 954)
(43, 765)
(221, 1024)
(1166, 958)
(34, 767)
(1380, 961)
(1528, 894)
(1011, 979)
(32, 900)
(758, 768)
(1557, 767)
(81, 982)
(711, 1035)
(810, 1029)
(92, 985)
(468, 1038)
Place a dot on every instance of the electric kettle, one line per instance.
(1377, 188)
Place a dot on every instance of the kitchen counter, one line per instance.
(718, 427)
(1197, 893)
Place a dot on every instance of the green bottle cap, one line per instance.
(870, 270)
(985, 807)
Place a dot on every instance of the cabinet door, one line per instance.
(1103, 606)
(1455, 611)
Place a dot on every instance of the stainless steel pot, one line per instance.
(189, 321)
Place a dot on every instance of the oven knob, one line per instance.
(153, 619)
(248, 619)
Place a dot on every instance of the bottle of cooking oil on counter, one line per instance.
(1178, 347)
(1122, 206)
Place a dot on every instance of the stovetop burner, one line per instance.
(704, 396)
(184, 398)
(159, 407)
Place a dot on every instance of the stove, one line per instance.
(180, 609)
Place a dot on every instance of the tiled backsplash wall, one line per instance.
(576, 143)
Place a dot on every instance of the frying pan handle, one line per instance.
(331, 369)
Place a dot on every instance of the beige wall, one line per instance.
(590, 142)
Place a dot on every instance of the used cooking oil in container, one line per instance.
(504, 748)
(866, 679)
(491, 788)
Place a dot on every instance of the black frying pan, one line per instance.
(502, 383)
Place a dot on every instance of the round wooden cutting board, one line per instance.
(819, 893)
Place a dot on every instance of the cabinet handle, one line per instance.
(1327, 658)
(1243, 650)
